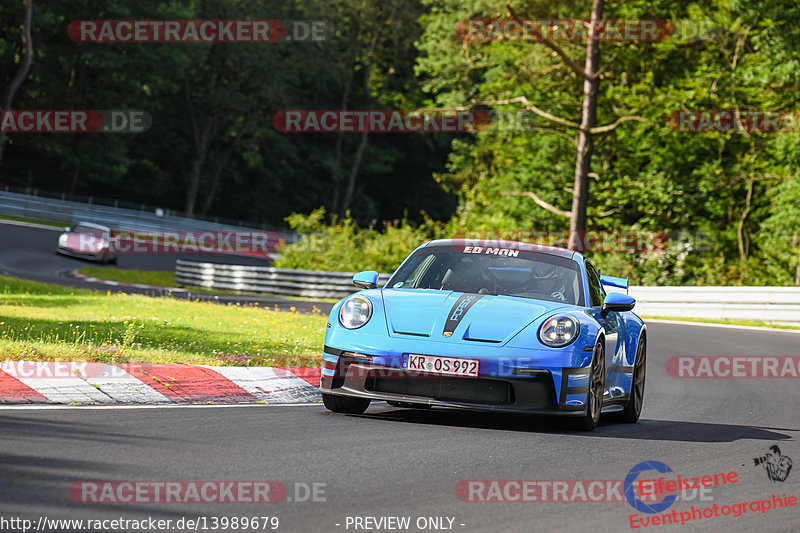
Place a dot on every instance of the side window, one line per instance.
(415, 278)
(595, 287)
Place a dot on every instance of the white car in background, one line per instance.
(87, 241)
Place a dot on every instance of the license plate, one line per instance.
(442, 366)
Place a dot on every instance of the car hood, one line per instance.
(467, 317)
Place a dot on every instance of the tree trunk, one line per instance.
(73, 182)
(22, 71)
(217, 175)
(194, 186)
(202, 140)
(197, 168)
(741, 237)
(351, 178)
(583, 163)
(357, 158)
(337, 153)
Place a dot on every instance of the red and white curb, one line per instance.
(68, 383)
(76, 275)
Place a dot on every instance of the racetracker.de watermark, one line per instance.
(732, 367)
(198, 31)
(75, 121)
(569, 30)
(60, 369)
(155, 242)
(380, 121)
(598, 241)
(734, 121)
(565, 491)
(201, 491)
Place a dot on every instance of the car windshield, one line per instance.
(83, 228)
(495, 271)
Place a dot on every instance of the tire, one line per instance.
(594, 397)
(345, 404)
(634, 407)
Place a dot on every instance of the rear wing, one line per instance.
(611, 281)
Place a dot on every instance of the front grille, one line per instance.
(467, 390)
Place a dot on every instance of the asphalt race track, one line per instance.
(393, 462)
(403, 462)
(30, 253)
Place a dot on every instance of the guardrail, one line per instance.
(70, 212)
(305, 283)
(770, 304)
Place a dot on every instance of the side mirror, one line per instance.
(366, 280)
(616, 301)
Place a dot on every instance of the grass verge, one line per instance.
(48, 322)
(122, 275)
(34, 221)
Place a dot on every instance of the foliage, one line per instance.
(735, 190)
(245, 169)
(646, 175)
(344, 246)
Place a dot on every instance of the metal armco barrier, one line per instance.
(117, 218)
(305, 283)
(770, 304)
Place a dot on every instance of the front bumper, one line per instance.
(534, 392)
(92, 256)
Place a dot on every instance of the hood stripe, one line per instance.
(457, 312)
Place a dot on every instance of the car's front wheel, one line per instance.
(345, 404)
(634, 408)
(594, 398)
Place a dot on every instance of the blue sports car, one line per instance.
(492, 326)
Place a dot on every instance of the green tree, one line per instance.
(26, 53)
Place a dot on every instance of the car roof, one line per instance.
(523, 246)
(89, 224)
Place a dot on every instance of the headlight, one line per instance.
(62, 239)
(355, 312)
(559, 330)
